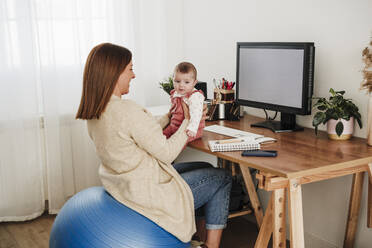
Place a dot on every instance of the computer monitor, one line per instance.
(203, 87)
(276, 76)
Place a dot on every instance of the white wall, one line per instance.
(158, 47)
(340, 30)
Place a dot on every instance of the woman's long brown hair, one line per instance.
(104, 65)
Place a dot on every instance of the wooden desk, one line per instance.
(302, 158)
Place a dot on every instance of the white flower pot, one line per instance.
(347, 132)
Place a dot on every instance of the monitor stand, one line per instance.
(287, 123)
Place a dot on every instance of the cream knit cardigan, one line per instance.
(136, 165)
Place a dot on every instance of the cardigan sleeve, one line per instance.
(163, 120)
(148, 135)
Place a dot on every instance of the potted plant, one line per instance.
(167, 84)
(338, 113)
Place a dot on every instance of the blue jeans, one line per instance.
(211, 190)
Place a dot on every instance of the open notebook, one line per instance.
(232, 132)
(247, 144)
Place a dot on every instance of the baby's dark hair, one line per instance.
(186, 67)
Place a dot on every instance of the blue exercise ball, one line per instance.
(93, 218)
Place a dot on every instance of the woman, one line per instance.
(136, 157)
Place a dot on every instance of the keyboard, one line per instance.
(232, 132)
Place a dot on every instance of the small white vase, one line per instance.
(347, 132)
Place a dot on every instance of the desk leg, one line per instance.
(354, 207)
(252, 194)
(295, 214)
(266, 227)
(278, 212)
(369, 206)
(224, 163)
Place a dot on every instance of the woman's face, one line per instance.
(122, 86)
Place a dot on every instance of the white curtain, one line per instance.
(21, 184)
(66, 32)
(44, 152)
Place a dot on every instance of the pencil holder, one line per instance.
(224, 96)
(223, 111)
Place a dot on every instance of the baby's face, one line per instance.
(184, 82)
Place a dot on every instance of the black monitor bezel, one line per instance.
(307, 81)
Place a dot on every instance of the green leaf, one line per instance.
(338, 100)
(332, 92)
(357, 115)
(359, 121)
(340, 92)
(320, 101)
(322, 107)
(339, 128)
(167, 84)
(326, 119)
(318, 118)
(332, 114)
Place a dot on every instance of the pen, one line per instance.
(230, 141)
(214, 82)
(236, 111)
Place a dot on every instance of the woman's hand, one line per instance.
(190, 133)
(186, 111)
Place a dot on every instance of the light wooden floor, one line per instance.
(30, 234)
(240, 233)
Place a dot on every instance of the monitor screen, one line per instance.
(276, 76)
(271, 75)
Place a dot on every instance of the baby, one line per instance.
(184, 81)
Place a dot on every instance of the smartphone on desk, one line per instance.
(259, 153)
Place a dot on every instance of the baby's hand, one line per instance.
(190, 133)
